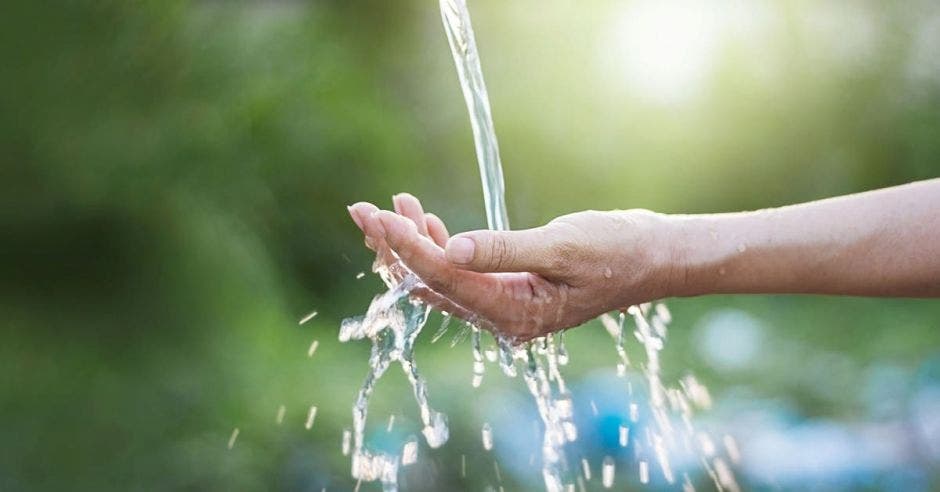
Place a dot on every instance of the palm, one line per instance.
(523, 304)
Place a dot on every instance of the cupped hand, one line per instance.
(527, 283)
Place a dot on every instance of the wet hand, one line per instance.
(525, 283)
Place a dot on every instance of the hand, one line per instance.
(528, 283)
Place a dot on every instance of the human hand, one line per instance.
(527, 283)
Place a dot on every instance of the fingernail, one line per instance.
(460, 250)
(355, 216)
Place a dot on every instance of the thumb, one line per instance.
(530, 250)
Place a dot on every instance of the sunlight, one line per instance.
(664, 49)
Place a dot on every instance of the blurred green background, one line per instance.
(172, 193)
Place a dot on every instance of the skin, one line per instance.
(532, 282)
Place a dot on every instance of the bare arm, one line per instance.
(879, 243)
(531, 282)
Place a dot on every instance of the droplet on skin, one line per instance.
(608, 273)
(231, 440)
(280, 414)
(311, 416)
(742, 248)
(607, 472)
(313, 314)
(487, 433)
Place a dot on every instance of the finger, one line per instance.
(530, 250)
(409, 206)
(375, 235)
(436, 229)
(473, 291)
(354, 213)
(360, 212)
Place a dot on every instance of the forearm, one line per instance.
(880, 243)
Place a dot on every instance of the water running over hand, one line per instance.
(393, 322)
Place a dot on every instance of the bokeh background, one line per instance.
(172, 193)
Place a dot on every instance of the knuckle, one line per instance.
(501, 253)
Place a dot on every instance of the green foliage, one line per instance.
(173, 177)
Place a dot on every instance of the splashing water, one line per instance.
(394, 321)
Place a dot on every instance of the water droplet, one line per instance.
(308, 317)
(487, 433)
(607, 472)
(634, 412)
(409, 453)
(687, 483)
(644, 472)
(732, 447)
(742, 248)
(586, 469)
(608, 273)
(347, 437)
(313, 348)
(231, 440)
(490, 354)
(311, 416)
(435, 430)
(624, 435)
(360, 275)
(391, 423)
(280, 415)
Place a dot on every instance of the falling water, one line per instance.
(394, 320)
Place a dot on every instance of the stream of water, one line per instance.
(394, 321)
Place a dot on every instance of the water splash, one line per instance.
(671, 430)
(392, 323)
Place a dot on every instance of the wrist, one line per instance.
(705, 254)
